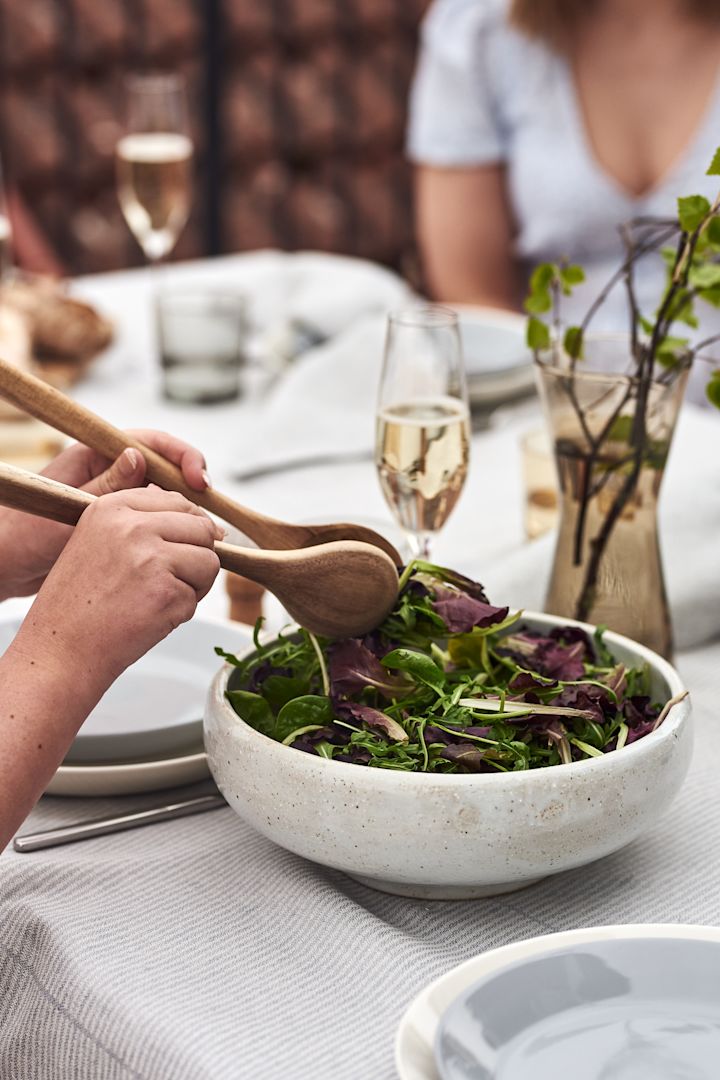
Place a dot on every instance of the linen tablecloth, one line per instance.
(197, 950)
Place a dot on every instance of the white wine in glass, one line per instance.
(154, 163)
(423, 422)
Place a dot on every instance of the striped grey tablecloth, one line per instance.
(196, 950)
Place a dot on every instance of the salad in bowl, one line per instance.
(448, 683)
(458, 750)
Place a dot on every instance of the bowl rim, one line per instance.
(676, 717)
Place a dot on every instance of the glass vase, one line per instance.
(611, 432)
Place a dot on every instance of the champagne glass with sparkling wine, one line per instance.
(423, 422)
(154, 163)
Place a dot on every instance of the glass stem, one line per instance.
(420, 545)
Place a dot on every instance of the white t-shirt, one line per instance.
(484, 94)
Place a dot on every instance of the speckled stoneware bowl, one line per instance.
(453, 836)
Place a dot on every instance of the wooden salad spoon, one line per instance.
(344, 588)
(45, 403)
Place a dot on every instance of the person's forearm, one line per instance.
(44, 699)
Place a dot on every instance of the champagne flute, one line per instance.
(422, 443)
(5, 233)
(154, 163)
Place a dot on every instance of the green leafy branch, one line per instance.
(693, 273)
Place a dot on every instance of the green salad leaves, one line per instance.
(448, 683)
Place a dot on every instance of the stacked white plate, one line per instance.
(146, 732)
(497, 361)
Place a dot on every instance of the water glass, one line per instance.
(540, 478)
(202, 344)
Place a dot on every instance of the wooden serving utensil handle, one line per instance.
(46, 498)
(39, 495)
(46, 403)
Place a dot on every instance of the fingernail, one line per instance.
(128, 462)
(206, 478)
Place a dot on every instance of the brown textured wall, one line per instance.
(311, 120)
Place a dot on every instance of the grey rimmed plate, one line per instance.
(498, 363)
(643, 1008)
(152, 715)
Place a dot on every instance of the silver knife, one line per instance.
(68, 834)
(311, 461)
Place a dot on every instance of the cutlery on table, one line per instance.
(86, 830)
(339, 589)
(310, 461)
(44, 402)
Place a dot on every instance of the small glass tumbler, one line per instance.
(202, 344)
(541, 486)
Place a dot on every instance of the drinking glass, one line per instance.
(202, 343)
(422, 443)
(154, 163)
(5, 233)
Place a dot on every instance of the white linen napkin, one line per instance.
(324, 402)
(323, 405)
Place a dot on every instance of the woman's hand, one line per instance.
(135, 568)
(29, 546)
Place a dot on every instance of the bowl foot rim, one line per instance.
(420, 891)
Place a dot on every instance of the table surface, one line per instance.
(196, 948)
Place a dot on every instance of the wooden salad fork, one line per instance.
(344, 588)
(45, 403)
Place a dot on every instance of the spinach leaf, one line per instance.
(254, 710)
(416, 664)
(311, 710)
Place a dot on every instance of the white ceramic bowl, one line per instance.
(453, 836)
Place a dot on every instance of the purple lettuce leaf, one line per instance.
(262, 672)
(378, 645)
(461, 613)
(310, 739)
(355, 755)
(466, 755)
(464, 584)
(571, 635)
(586, 696)
(545, 655)
(374, 718)
(639, 710)
(353, 667)
(639, 731)
(524, 681)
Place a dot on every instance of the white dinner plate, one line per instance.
(498, 363)
(414, 1044)
(146, 732)
(129, 778)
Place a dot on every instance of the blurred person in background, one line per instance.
(538, 127)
